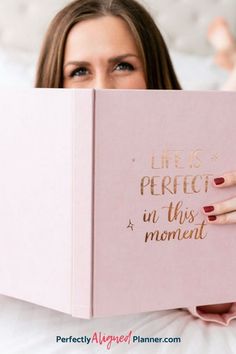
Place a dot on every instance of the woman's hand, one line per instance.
(223, 212)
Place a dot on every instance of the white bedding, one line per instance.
(29, 329)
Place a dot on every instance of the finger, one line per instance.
(229, 218)
(226, 180)
(226, 206)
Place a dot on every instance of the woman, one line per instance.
(116, 45)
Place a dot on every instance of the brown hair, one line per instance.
(157, 63)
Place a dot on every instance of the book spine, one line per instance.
(82, 199)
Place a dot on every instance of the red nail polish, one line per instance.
(212, 218)
(208, 209)
(219, 180)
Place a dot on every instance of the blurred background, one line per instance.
(183, 24)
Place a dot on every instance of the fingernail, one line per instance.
(208, 209)
(219, 180)
(211, 217)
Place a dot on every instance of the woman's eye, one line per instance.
(124, 66)
(79, 72)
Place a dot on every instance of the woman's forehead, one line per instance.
(106, 34)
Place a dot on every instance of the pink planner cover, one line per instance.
(101, 198)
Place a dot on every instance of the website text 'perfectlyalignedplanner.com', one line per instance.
(98, 338)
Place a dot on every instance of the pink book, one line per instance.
(101, 198)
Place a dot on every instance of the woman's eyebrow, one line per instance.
(77, 63)
(111, 60)
(121, 57)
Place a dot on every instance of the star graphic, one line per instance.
(215, 157)
(130, 225)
